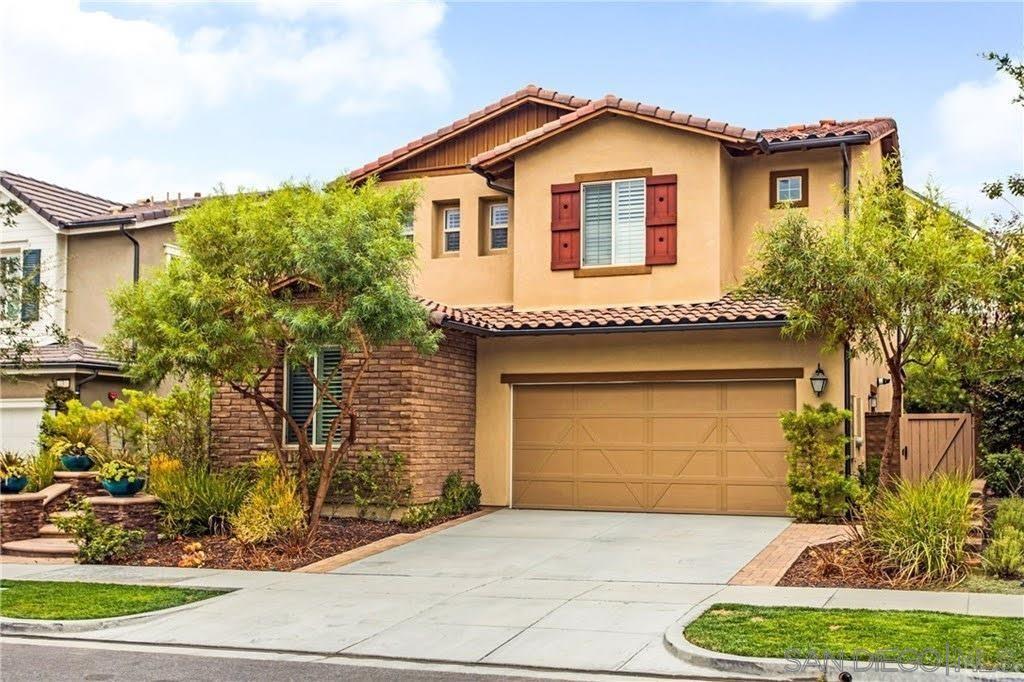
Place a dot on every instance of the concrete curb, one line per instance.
(778, 668)
(25, 626)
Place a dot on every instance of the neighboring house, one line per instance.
(578, 255)
(81, 246)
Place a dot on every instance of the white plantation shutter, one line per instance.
(597, 224)
(630, 221)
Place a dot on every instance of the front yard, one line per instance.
(78, 601)
(857, 634)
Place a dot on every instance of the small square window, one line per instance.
(452, 225)
(788, 188)
(498, 226)
(407, 228)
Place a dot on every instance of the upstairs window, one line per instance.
(10, 293)
(20, 292)
(614, 222)
(788, 187)
(451, 226)
(498, 226)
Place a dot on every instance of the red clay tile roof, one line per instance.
(503, 319)
(508, 101)
(614, 103)
(60, 206)
(876, 127)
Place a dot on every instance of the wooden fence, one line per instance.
(936, 443)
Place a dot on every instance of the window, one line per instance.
(498, 226)
(10, 295)
(788, 187)
(302, 395)
(407, 228)
(452, 223)
(614, 222)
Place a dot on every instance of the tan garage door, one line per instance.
(713, 447)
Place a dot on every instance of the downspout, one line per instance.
(492, 184)
(135, 253)
(847, 398)
(78, 384)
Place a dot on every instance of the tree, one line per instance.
(273, 278)
(890, 280)
(22, 297)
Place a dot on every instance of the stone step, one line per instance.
(40, 547)
(53, 491)
(51, 531)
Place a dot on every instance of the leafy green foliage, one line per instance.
(819, 489)
(98, 542)
(1004, 472)
(935, 388)
(120, 470)
(272, 509)
(457, 498)
(1004, 556)
(894, 280)
(379, 482)
(42, 468)
(195, 500)
(919, 531)
(273, 277)
(1001, 404)
(60, 600)
(1009, 514)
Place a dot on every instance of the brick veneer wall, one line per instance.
(421, 406)
(874, 439)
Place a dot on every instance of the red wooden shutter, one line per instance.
(661, 220)
(565, 226)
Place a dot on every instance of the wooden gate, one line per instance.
(936, 443)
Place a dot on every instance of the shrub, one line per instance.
(1001, 402)
(819, 489)
(98, 542)
(1004, 472)
(1009, 514)
(42, 468)
(119, 470)
(13, 465)
(272, 510)
(457, 497)
(1004, 556)
(918, 531)
(196, 500)
(379, 481)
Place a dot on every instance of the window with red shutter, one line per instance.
(565, 226)
(661, 220)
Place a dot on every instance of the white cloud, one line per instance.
(71, 75)
(815, 10)
(977, 136)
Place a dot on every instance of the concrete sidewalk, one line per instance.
(563, 624)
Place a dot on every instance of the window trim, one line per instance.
(583, 220)
(491, 226)
(17, 253)
(773, 187)
(445, 231)
(287, 373)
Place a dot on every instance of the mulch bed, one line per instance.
(222, 551)
(838, 564)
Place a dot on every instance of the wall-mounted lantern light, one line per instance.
(818, 381)
(873, 399)
(882, 381)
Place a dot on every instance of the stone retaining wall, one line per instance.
(21, 516)
(136, 512)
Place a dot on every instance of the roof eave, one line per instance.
(605, 329)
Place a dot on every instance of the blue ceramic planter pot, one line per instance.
(124, 487)
(76, 462)
(13, 484)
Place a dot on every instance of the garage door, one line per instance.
(713, 447)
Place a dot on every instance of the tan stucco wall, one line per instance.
(24, 387)
(97, 263)
(467, 278)
(625, 352)
(610, 144)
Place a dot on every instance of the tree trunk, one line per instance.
(890, 451)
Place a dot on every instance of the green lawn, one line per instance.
(76, 601)
(790, 632)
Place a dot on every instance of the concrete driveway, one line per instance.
(568, 590)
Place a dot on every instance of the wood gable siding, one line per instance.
(456, 152)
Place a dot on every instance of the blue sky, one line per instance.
(129, 100)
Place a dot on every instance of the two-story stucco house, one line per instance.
(79, 246)
(579, 255)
